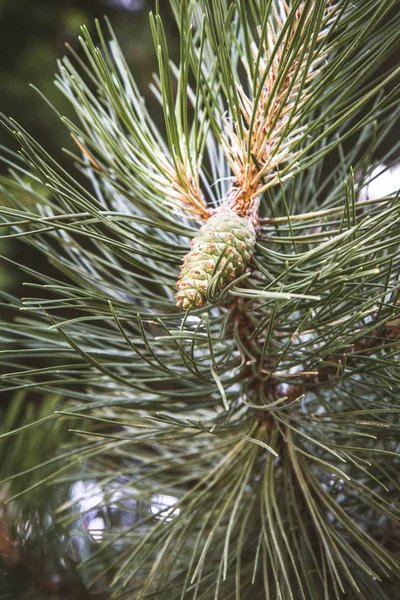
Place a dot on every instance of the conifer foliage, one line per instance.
(261, 398)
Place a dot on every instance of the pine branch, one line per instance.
(267, 413)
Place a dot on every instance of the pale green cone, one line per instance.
(225, 235)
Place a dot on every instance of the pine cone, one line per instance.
(222, 248)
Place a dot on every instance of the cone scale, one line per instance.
(221, 250)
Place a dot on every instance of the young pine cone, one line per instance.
(221, 249)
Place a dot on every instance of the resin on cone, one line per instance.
(221, 249)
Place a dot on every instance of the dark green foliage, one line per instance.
(268, 417)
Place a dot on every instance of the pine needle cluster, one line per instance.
(267, 409)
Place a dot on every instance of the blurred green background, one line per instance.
(34, 34)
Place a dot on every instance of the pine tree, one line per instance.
(218, 325)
